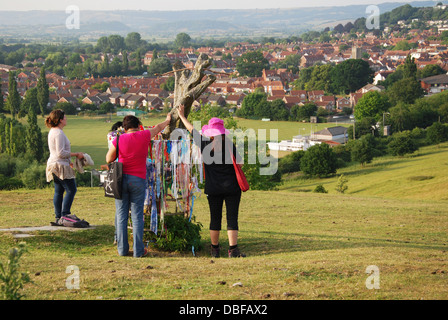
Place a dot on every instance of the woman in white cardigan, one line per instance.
(59, 166)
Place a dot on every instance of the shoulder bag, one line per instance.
(114, 178)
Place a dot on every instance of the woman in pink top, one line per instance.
(132, 152)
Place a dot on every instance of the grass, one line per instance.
(300, 245)
(422, 175)
(88, 134)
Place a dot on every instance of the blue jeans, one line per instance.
(63, 204)
(133, 198)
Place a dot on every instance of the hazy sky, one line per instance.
(177, 4)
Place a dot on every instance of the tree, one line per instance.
(430, 70)
(250, 103)
(159, 66)
(319, 160)
(43, 92)
(362, 150)
(351, 75)
(189, 85)
(168, 85)
(182, 40)
(400, 117)
(292, 63)
(1, 98)
(116, 43)
(13, 101)
(291, 162)
(30, 102)
(320, 78)
(402, 143)
(409, 68)
(406, 90)
(278, 110)
(437, 133)
(125, 64)
(133, 41)
(341, 186)
(34, 142)
(372, 105)
(251, 64)
(103, 44)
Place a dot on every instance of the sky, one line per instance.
(169, 5)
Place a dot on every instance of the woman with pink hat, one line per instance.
(221, 184)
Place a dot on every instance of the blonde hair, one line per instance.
(54, 118)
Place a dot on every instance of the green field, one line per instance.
(88, 135)
(299, 244)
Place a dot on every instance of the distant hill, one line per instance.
(198, 23)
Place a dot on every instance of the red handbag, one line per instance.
(240, 176)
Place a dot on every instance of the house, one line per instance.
(112, 90)
(70, 100)
(157, 92)
(152, 103)
(291, 101)
(123, 100)
(92, 100)
(310, 60)
(217, 100)
(371, 87)
(302, 94)
(235, 99)
(336, 134)
(76, 93)
(115, 98)
(134, 101)
(354, 98)
(435, 84)
(343, 103)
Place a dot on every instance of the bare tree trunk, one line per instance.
(189, 85)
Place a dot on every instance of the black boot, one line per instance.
(214, 251)
(234, 252)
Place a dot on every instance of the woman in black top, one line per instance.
(220, 180)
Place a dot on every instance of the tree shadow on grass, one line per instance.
(277, 243)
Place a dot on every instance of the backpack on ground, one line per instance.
(72, 221)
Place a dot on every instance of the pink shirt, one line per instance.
(133, 152)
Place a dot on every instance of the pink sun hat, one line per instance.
(214, 128)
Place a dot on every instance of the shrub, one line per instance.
(291, 162)
(437, 133)
(341, 186)
(179, 234)
(319, 160)
(364, 149)
(34, 177)
(13, 280)
(320, 189)
(10, 183)
(402, 143)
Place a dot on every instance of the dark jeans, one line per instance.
(133, 198)
(216, 202)
(63, 204)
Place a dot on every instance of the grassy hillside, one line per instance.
(422, 175)
(300, 245)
